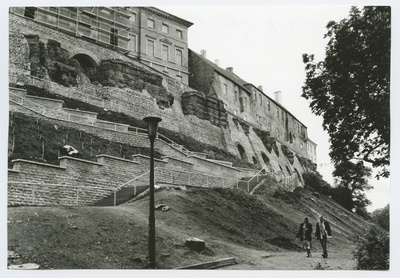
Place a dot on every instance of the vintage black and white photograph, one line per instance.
(198, 136)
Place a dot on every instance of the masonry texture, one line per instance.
(212, 109)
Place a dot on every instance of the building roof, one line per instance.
(241, 83)
(169, 16)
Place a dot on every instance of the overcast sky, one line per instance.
(264, 45)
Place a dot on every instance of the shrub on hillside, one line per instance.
(372, 251)
(316, 182)
(381, 217)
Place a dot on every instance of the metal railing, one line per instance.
(86, 97)
(177, 177)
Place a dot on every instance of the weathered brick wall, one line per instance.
(48, 103)
(207, 166)
(139, 107)
(254, 146)
(29, 194)
(135, 103)
(82, 182)
(128, 138)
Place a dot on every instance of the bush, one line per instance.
(316, 182)
(381, 217)
(372, 252)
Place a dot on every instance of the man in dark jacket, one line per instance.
(304, 234)
(323, 232)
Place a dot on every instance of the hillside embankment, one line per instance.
(259, 230)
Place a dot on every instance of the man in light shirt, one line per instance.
(323, 232)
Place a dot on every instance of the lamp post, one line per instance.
(152, 125)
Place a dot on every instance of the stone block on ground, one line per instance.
(196, 244)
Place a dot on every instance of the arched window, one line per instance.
(265, 159)
(255, 161)
(242, 152)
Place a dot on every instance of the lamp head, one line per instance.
(152, 126)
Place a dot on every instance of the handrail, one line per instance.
(122, 185)
(257, 174)
(160, 136)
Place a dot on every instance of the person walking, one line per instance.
(304, 234)
(323, 232)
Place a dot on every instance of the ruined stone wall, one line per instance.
(121, 96)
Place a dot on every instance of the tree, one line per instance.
(350, 89)
(372, 251)
(381, 217)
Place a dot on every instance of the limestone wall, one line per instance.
(136, 103)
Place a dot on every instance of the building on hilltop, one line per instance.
(312, 151)
(154, 37)
(135, 61)
(249, 104)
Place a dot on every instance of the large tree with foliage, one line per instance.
(350, 89)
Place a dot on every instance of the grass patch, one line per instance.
(39, 140)
(188, 142)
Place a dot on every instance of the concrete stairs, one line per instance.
(121, 196)
(249, 183)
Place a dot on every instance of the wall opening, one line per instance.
(265, 159)
(88, 65)
(242, 152)
(283, 172)
(288, 169)
(255, 161)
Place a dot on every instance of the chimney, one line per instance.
(217, 62)
(260, 88)
(230, 69)
(278, 96)
(203, 53)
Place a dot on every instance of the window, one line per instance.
(225, 106)
(178, 58)
(179, 34)
(258, 119)
(114, 36)
(132, 43)
(165, 52)
(277, 112)
(150, 48)
(269, 105)
(165, 28)
(236, 92)
(225, 89)
(30, 12)
(245, 117)
(244, 101)
(260, 99)
(235, 112)
(150, 23)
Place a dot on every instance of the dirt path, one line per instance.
(294, 261)
(291, 260)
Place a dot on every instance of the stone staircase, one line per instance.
(179, 165)
(122, 196)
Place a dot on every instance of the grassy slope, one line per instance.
(232, 224)
(40, 140)
(188, 142)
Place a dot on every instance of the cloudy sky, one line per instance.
(264, 45)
